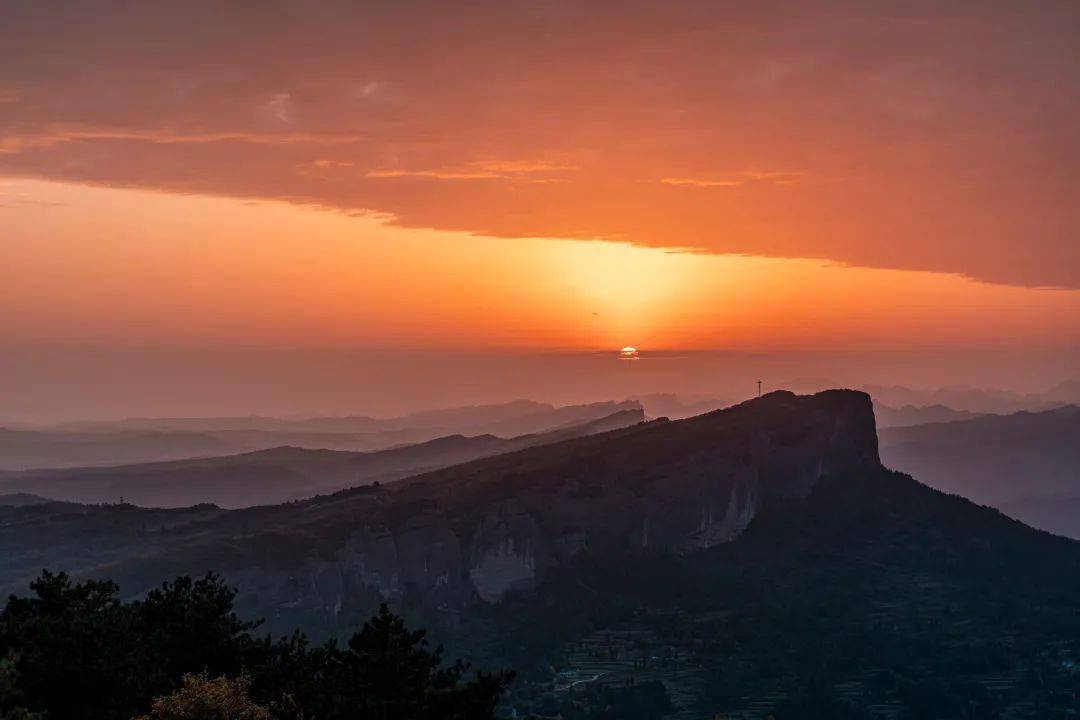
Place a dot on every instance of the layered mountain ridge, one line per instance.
(745, 558)
(1027, 464)
(484, 528)
(279, 474)
(145, 440)
(496, 525)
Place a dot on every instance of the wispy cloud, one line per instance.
(323, 167)
(484, 170)
(514, 167)
(436, 174)
(775, 177)
(58, 135)
(280, 107)
(697, 182)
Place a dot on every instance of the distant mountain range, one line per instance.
(917, 415)
(22, 499)
(282, 474)
(1027, 464)
(949, 402)
(156, 439)
(753, 559)
(677, 407)
(966, 398)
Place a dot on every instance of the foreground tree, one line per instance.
(208, 699)
(80, 653)
(11, 705)
(74, 651)
(387, 672)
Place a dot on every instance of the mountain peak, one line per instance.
(476, 531)
(500, 524)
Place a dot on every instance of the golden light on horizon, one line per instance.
(197, 269)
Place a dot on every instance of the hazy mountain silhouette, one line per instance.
(747, 558)
(917, 415)
(1066, 392)
(1026, 464)
(280, 474)
(20, 499)
(967, 398)
(155, 439)
(678, 407)
(21, 449)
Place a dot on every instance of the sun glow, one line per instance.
(193, 269)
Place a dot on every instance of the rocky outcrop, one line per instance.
(474, 532)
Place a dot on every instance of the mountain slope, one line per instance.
(278, 474)
(875, 596)
(1027, 464)
(18, 499)
(142, 440)
(908, 415)
(753, 559)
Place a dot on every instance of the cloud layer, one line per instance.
(917, 135)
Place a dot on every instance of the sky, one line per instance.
(499, 190)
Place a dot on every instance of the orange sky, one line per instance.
(86, 264)
(830, 177)
(912, 135)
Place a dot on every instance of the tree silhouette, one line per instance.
(73, 651)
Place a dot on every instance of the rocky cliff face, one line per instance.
(474, 532)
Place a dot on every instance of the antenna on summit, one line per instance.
(759, 388)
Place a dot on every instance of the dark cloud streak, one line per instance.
(917, 135)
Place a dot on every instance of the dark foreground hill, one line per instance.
(1026, 464)
(751, 560)
(279, 474)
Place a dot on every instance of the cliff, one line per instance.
(473, 532)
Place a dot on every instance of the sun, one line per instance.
(628, 353)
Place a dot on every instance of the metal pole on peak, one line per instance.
(759, 388)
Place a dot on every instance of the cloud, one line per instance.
(483, 170)
(701, 183)
(60, 134)
(280, 107)
(330, 163)
(779, 177)
(368, 90)
(775, 177)
(436, 174)
(513, 167)
(948, 139)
